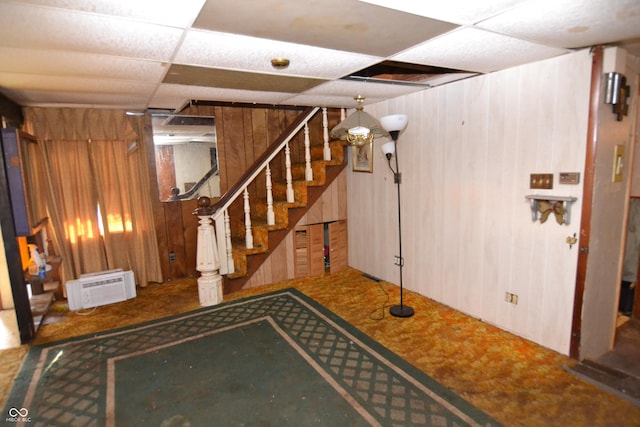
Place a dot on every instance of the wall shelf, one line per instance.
(542, 206)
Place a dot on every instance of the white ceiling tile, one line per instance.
(79, 100)
(373, 92)
(164, 12)
(229, 51)
(74, 84)
(471, 49)
(61, 63)
(570, 23)
(23, 26)
(462, 12)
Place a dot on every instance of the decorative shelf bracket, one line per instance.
(542, 206)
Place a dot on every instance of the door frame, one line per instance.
(587, 200)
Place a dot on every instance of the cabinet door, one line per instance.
(301, 253)
(316, 249)
(338, 246)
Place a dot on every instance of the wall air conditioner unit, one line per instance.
(95, 289)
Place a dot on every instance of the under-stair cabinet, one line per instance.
(320, 248)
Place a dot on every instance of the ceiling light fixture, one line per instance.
(280, 63)
(359, 128)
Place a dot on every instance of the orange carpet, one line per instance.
(513, 380)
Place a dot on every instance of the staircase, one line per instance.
(248, 228)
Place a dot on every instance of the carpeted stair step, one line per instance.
(337, 152)
(299, 190)
(317, 166)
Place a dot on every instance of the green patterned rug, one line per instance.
(278, 359)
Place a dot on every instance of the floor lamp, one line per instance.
(394, 124)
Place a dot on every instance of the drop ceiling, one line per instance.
(160, 54)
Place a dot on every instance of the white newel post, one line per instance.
(207, 261)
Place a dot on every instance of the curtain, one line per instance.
(97, 190)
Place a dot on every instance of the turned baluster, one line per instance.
(227, 237)
(271, 216)
(223, 237)
(308, 172)
(247, 221)
(287, 161)
(325, 132)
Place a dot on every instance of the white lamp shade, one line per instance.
(394, 122)
(388, 148)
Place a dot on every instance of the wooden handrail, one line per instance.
(230, 195)
(188, 194)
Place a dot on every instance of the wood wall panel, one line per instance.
(190, 228)
(175, 238)
(222, 156)
(465, 159)
(233, 144)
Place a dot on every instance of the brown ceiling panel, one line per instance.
(239, 80)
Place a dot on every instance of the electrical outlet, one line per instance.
(397, 260)
(172, 257)
(511, 297)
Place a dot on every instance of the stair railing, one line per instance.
(218, 243)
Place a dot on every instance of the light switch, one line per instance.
(541, 181)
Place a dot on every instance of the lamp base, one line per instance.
(401, 311)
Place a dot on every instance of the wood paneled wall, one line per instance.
(465, 157)
(243, 134)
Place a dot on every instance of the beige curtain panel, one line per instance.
(94, 178)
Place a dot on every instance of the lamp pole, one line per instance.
(400, 310)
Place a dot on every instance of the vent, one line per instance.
(175, 120)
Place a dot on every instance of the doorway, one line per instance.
(627, 306)
(625, 352)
